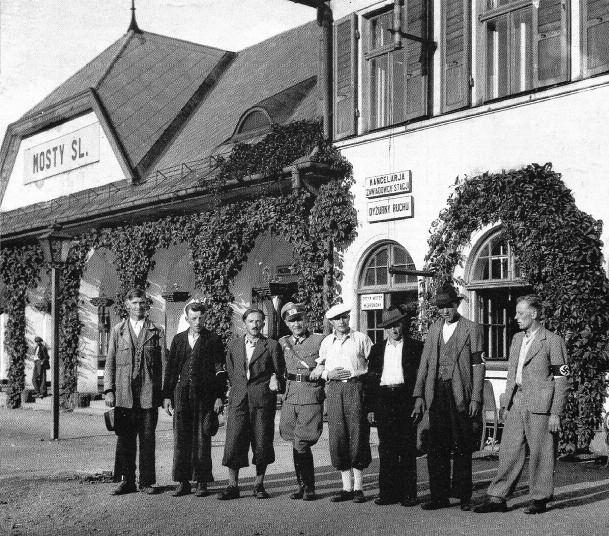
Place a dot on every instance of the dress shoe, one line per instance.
(201, 490)
(383, 501)
(297, 494)
(358, 497)
(536, 507)
(435, 504)
(343, 496)
(230, 492)
(309, 494)
(491, 506)
(184, 488)
(259, 492)
(124, 488)
(149, 490)
(465, 506)
(409, 501)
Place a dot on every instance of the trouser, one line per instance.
(137, 424)
(301, 424)
(450, 431)
(397, 448)
(348, 426)
(39, 379)
(525, 428)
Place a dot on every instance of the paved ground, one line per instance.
(59, 487)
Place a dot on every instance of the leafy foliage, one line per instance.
(559, 252)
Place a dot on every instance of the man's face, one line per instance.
(395, 332)
(136, 307)
(525, 315)
(341, 324)
(254, 324)
(449, 313)
(195, 320)
(298, 326)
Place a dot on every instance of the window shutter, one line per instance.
(550, 42)
(344, 77)
(456, 70)
(596, 37)
(416, 58)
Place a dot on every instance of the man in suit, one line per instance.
(393, 365)
(533, 401)
(132, 384)
(343, 358)
(41, 365)
(302, 407)
(255, 369)
(450, 384)
(194, 386)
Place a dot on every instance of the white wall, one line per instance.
(105, 171)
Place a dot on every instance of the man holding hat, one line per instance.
(393, 366)
(450, 383)
(344, 353)
(302, 408)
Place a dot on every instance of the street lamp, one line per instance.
(55, 246)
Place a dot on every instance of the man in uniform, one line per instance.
(301, 415)
(533, 401)
(194, 386)
(343, 356)
(132, 384)
(393, 366)
(255, 369)
(450, 382)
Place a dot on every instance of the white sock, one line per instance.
(358, 479)
(346, 480)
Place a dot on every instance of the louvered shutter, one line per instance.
(550, 42)
(596, 37)
(416, 58)
(344, 77)
(456, 71)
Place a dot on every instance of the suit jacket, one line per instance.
(468, 375)
(120, 362)
(543, 390)
(208, 380)
(266, 360)
(410, 359)
(43, 355)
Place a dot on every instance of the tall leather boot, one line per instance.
(297, 460)
(307, 475)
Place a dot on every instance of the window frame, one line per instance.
(583, 45)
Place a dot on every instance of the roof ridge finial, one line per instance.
(133, 25)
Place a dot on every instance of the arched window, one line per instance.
(495, 280)
(379, 289)
(255, 120)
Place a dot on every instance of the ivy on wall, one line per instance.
(219, 240)
(559, 253)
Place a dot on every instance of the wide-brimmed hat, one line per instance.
(292, 311)
(446, 296)
(392, 316)
(337, 310)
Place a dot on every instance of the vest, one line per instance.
(447, 357)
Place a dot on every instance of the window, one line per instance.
(378, 289)
(595, 36)
(495, 279)
(526, 45)
(253, 121)
(397, 76)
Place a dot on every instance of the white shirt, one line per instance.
(349, 352)
(448, 330)
(137, 326)
(392, 370)
(526, 342)
(250, 348)
(192, 338)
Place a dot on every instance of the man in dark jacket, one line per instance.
(393, 366)
(41, 365)
(255, 369)
(194, 386)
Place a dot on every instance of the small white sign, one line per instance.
(62, 154)
(370, 302)
(389, 184)
(391, 208)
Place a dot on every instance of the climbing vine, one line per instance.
(558, 251)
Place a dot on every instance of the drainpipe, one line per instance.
(396, 23)
(324, 16)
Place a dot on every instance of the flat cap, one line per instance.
(337, 310)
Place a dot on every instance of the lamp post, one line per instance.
(55, 246)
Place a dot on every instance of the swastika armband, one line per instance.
(561, 370)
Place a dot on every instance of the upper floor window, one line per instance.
(254, 120)
(595, 36)
(526, 44)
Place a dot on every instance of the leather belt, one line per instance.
(299, 377)
(354, 379)
(395, 387)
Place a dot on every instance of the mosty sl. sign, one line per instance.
(62, 154)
